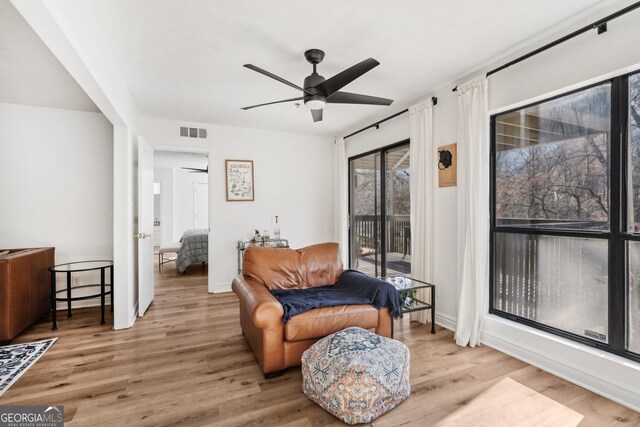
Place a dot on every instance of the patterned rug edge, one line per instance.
(25, 368)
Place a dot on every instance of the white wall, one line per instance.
(56, 170)
(293, 176)
(165, 177)
(587, 59)
(73, 34)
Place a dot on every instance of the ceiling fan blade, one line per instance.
(274, 102)
(273, 76)
(356, 98)
(197, 170)
(317, 115)
(340, 80)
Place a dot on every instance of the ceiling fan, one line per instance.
(318, 92)
(197, 170)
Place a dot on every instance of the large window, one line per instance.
(565, 223)
(379, 231)
(633, 216)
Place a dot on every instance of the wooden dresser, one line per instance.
(25, 287)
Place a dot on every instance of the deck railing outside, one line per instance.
(367, 245)
(558, 281)
(367, 229)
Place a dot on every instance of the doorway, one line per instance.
(183, 216)
(180, 223)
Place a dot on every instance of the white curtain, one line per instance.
(421, 193)
(473, 210)
(341, 206)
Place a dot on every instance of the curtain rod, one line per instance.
(600, 25)
(377, 124)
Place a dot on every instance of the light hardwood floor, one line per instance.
(186, 362)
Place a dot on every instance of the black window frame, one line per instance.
(617, 235)
(383, 200)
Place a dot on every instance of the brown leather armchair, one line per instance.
(277, 346)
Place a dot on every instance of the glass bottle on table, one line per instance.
(276, 230)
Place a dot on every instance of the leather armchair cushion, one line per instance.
(272, 268)
(281, 268)
(320, 322)
(321, 265)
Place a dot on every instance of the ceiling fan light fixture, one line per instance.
(318, 91)
(315, 102)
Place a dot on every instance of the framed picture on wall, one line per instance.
(239, 180)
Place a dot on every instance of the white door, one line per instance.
(201, 205)
(145, 225)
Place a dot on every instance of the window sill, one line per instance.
(611, 376)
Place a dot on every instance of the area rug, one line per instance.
(16, 359)
(509, 403)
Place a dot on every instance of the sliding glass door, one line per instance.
(379, 207)
(397, 228)
(365, 237)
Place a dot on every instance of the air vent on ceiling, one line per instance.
(189, 132)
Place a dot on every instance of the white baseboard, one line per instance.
(613, 377)
(133, 318)
(446, 321)
(221, 287)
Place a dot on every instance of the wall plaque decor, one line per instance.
(448, 165)
(239, 179)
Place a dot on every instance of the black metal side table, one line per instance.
(75, 267)
(407, 287)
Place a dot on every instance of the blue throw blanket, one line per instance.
(351, 288)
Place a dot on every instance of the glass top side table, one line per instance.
(73, 267)
(408, 287)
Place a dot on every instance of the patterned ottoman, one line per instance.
(356, 375)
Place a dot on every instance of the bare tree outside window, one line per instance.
(552, 163)
(633, 248)
(634, 152)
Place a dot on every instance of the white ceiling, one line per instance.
(29, 73)
(183, 59)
